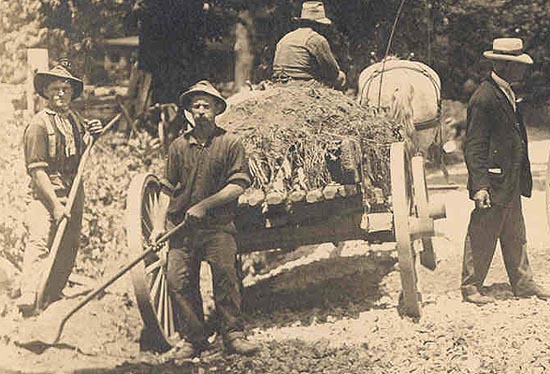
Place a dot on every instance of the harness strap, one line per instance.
(418, 125)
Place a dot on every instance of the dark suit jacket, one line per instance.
(496, 140)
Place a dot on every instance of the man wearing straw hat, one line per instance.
(206, 172)
(53, 143)
(304, 54)
(499, 173)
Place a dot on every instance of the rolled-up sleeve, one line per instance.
(171, 172)
(35, 144)
(328, 66)
(237, 168)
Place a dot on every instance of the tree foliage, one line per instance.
(450, 35)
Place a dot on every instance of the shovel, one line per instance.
(56, 243)
(40, 344)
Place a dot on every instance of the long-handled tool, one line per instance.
(39, 345)
(46, 278)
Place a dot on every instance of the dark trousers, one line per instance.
(219, 249)
(504, 223)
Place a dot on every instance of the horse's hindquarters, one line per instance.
(415, 80)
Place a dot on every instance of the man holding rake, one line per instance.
(53, 143)
(206, 172)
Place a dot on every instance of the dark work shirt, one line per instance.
(36, 141)
(305, 54)
(196, 171)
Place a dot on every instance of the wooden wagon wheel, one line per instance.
(402, 204)
(421, 201)
(149, 277)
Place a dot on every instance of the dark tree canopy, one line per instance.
(450, 35)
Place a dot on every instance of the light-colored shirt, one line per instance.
(505, 88)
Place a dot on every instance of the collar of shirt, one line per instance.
(505, 88)
(194, 141)
(65, 127)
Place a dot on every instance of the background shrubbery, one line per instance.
(450, 35)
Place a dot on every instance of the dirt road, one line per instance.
(336, 314)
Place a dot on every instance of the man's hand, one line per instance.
(59, 211)
(94, 127)
(482, 199)
(196, 213)
(341, 80)
(156, 234)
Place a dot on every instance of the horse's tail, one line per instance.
(401, 110)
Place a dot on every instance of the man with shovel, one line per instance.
(53, 141)
(206, 172)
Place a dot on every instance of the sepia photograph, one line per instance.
(274, 186)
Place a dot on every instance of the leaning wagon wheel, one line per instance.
(422, 204)
(402, 204)
(149, 277)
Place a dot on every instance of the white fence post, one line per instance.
(37, 59)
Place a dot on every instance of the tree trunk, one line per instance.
(244, 57)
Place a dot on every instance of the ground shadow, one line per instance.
(337, 287)
(145, 368)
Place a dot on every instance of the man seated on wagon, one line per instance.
(53, 143)
(305, 54)
(206, 172)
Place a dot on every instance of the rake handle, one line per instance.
(150, 249)
(60, 231)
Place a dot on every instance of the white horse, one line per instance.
(410, 92)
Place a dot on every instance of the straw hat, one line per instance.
(314, 11)
(509, 49)
(62, 72)
(202, 87)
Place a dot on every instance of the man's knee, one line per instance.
(178, 278)
(175, 279)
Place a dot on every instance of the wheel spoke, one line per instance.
(150, 203)
(152, 267)
(155, 287)
(166, 314)
(160, 304)
(148, 228)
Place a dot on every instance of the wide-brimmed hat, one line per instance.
(62, 72)
(313, 11)
(202, 87)
(509, 49)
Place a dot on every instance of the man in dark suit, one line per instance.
(499, 173)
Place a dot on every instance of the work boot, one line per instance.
(235, 342)
(476, 298)
(183, 350)
(26, 304)
(534, 290)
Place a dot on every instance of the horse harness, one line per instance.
(423, 125)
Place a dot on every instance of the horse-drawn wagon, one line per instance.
(268, 219)
(285, 209)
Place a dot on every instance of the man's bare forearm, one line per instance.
(45, 188)
(226, 195)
